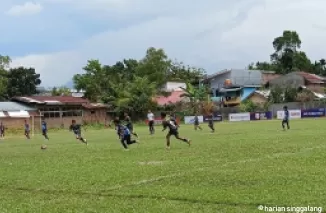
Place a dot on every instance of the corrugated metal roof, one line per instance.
(13, 106)
(52, 100)
(19, 114)
(312, 78)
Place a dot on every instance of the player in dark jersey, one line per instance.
(2, 130)
(173, 130)
(45, 130)
(285, 118)
(173, 117)
(27, 130)
(211, 122)
(196, 123)
(116, 123)
(129, 125)
(76, 128)
(125, 136)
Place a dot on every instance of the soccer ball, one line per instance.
(43, 147)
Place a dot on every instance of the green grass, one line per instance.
(239, 167)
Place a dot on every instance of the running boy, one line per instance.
(150, 117)
(211, 122)
(27, 130)
(76, 128)
(196, 123)
(45, 130)
(125, 137)
(285, 118)
(129, 125)
(173, 130)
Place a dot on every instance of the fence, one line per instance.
(255, 116)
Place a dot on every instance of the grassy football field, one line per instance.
(241, 166)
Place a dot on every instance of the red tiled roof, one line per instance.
(172, 99)
(52, 100)
(312, 78)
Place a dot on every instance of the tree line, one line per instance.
(130, 84)
(19, 81)
(287, 57)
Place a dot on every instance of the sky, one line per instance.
(57, 37)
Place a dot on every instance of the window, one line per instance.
(92, 112)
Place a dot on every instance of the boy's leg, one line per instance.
(181, 139)
(131, 128)
(129, 141)
(283, 122)
(168, 138)
(122, 141)
(212, 127)
(45, 135)
(27, 134)
(287, 124)
(81, 138)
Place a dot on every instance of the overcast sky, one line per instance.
(57, 37)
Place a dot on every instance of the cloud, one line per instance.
(211, 34)
(28, 8)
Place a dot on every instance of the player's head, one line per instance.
(25, 121)
(73, 121)
(126, 114)
(163, 115)
(149, 111)
(285, 107)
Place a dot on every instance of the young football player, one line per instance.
(45, 130)
(285, 118)
(125, 137)
(27, 130)
(173, 130)
(76, 128)
(196, 123)
(129, 125)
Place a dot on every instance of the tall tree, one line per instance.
(94, 81)
(180, 72)
(4, 65)
(22, 81)
(155, 66)
(287, 57)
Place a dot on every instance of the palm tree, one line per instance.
(199, 97)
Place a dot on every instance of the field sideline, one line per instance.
(241, 166)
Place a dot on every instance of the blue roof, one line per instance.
(13, 106)
(247, 91)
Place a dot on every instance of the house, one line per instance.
(174, 94)
(259, 97)
(230, 87)
(312, 82)
(60, 110)
(13, 115)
